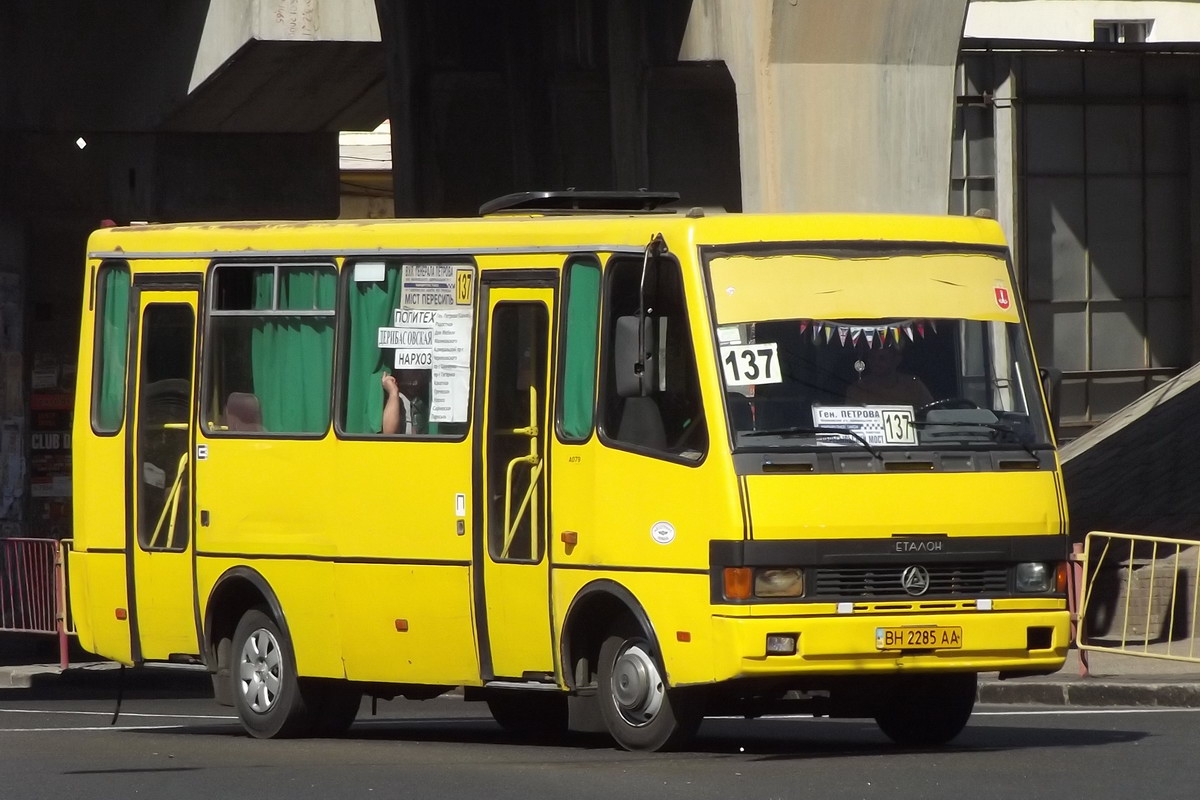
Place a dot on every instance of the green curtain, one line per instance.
(113, 348)
(371, 304)
(292, 356)
(579, 363)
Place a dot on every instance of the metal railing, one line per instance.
(1138, 595)
(33, 589)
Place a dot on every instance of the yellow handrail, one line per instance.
(172, 505)
(530, 499)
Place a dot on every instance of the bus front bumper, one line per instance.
(1034, 641)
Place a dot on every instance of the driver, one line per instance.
(882, 383)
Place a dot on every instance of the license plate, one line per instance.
(925, 637)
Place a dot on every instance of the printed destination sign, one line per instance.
(878, 425)
(431, 330)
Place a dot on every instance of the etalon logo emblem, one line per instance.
(915, 580)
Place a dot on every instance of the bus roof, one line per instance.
(530, 232)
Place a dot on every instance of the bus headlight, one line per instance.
(1034, 576)
(783, 582)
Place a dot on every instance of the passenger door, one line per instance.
(160, 485)
(512, 583)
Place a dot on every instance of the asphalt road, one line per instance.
(187, 749)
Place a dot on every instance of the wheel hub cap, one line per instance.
(260, 670)
(637, 686)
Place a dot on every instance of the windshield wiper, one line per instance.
(802, 431)
(995, 427)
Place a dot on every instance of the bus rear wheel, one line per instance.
(639, 710)
(266, 691)
(925, 710)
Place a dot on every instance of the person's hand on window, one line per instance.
(393, 413)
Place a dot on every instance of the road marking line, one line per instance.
(1047, 712)
(109, 714)
(96, 728)
(1082, 711)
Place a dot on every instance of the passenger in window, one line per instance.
(882, 382)
(406, 401)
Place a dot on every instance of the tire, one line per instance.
(332, 705)
(263, 679)
(536, 714)
(639, 710)
(926, 710)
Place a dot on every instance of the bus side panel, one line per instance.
(272, 506)
(304, 591)
(410, 623)
(677, 607)
(655, 518)
(97, 585)
(396, 503)
(97, 592)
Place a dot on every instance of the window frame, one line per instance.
(98, 340)
(560, 361)
(207, 413)
(543, 542)
(187, 510)
(341, 353)
(605, 383)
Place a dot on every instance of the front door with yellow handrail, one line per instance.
(515, 626)
(160, 484)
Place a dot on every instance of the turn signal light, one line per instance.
(1060, 576)
(738, 582)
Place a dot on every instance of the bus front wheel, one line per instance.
(639, 710)
(266, 691)
(924, 710)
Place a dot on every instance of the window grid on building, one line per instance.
(1104, 210)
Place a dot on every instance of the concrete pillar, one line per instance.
(231, 24)
(843, 105)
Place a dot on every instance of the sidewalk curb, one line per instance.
(1093, 693)
(101, 680)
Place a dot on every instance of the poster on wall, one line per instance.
(50, 464)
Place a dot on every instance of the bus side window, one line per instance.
(110, 357)
(580, 328)
(270, 350)
(659, 408)
(388, 350)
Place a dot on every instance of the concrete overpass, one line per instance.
(222, 109)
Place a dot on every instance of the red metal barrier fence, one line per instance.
(33, 589)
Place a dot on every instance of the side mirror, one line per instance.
(1051, 384)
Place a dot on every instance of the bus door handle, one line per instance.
(529, 501)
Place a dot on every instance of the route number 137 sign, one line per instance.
(746, 364)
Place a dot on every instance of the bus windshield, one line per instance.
(909, 351)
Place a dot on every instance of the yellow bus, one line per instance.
(604, 464)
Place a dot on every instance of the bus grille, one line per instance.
(944, 579)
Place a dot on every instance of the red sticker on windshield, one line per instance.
(1002, 298)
